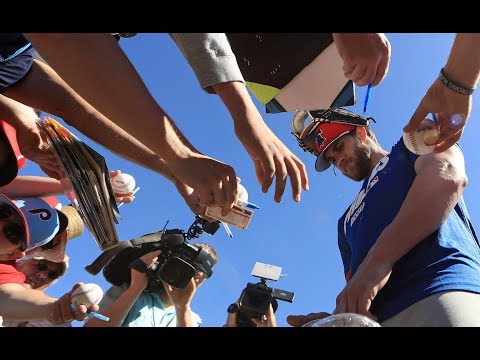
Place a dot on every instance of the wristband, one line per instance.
(138, 265)
(453, 86)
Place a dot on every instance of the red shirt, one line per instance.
(11, 134)
(9, 273)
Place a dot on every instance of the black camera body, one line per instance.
(176, 264)
(255, 300)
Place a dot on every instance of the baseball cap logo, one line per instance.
(319, 140)
(45, 215)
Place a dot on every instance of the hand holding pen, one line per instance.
(247, 205)
(93, 313)
(133, 193)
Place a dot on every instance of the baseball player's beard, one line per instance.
(361, 163)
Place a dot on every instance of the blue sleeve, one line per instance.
(344, 247)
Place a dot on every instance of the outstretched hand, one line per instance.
(271, 158)
(125, 198)
(139, 279)
(449, 108)
(60, 312)
(357, 296)
(366, 57)
(300, 320)
(35, 147)
(214, 181)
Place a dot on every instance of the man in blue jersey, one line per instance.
(410, 253)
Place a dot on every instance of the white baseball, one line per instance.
(427, 132)
(242, 195)
(123, 183)
(88, 295)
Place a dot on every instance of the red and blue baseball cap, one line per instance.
(40, 221)
(325, 134)
(14, 158)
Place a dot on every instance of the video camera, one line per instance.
(256, 298)
(176, 264)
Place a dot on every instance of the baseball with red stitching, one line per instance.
(417, 142)
(87, 294)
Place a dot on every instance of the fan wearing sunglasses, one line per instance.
(409, 250)
(12, 233)
(25, 226)
(40, 274)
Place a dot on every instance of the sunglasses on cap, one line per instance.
(14, 229)
(42, 266)
(321, 116)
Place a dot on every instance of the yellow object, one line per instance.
(264, 93)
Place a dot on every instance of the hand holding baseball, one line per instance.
(452, 111)
(122, 186)
(242, 195)
(87, 295)
(422, 141)
(60, 311)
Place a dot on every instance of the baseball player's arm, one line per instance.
(463, 69)
(439, 184)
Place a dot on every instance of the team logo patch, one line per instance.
(319, 140)
(44, 214)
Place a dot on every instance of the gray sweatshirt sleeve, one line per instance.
(210, 56)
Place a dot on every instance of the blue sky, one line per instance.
(299, 237)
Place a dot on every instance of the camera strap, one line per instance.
(100, 262)
(139, 265)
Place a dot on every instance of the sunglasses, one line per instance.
(52, 275)
(14, 229)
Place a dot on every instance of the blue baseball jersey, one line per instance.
(10, 43)
(448, 259)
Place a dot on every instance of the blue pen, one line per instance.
(93, 313)
(133, 193)
(367, 97)
(248, 205)
(252, 206)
